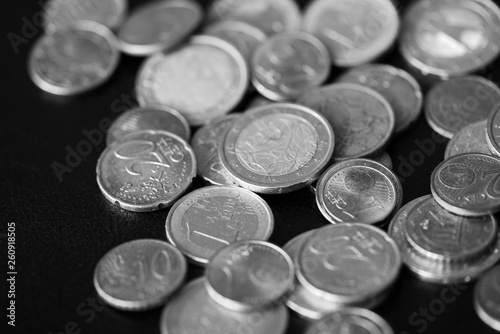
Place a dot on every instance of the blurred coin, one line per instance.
(74, 59)
(158, 26)
(208, 219)
(487, 298)
(451, 105)
(289, 64)
(450, 37)
(258, 101)
(277, 148)
(202, 80)
(146, 170)
(362, 120)
(493, 131)
(466, 184)
(384, 159)
(148, 118)
(354, 31)
(398, 87)
(193, 311)
(470, 139)
(139, 274)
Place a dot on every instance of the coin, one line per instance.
(208, 219)
(148, 118)
(146, 170)
(466, 184)
(470, 139)
(63, 13)
(348, 263)
(249, 274)
(354, 31)
(362, 120)
(158, 26)
(493, 131)
(398, 87)
(288, 64)
(205, 143)
(277, 148)
(451, 105)
(202, 80)
(384, 159)
(358, 191)
(487, 298)
(258, 101)
(74, 59)
(139, 274)
(450, 37)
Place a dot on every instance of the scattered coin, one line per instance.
(384, 159)
(470, 139)
(487, 298)
(258, 101)
(493, 131)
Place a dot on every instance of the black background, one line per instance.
(64, 227)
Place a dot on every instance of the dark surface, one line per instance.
(64, 227)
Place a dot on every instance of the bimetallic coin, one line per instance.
(354, 31)
(451, 105)
(211, 218)
(362, 120)
(487, 298)
(398, 87)
(139, 274)
(192, 310)
(146, 170)
(384, 159)
(450, 37)
(74, 59)
(493, 131)
(467, 184)
(158, 26)
(202, 80)
(277, 148)
(358, 191)
(471, 139)
(249, 274)
(148, 118)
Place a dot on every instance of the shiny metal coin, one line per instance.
(493, 131)
(289, 64)
(362, 120)
(348, 263)
(202, 80)
(450, 37)
(193, 311)
(466, 184)
(139, 274)
(384, 159)
(354, 31)
(206, 142)
(398, 87)
(358, 191)
(451, 105)
(208, 219)
(146, 170)
(63, 13)
(158, 26)
(74, 59)
(148, 118)
(249, 274)
(487, 298)
(470, 139)
(271, 16)
(277, 148)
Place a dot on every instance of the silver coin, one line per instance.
(63, 13)
(206, 142)
(348, 263)
(451, 105)
(493, 131)
(148, 118)
(139, 274)
(158, 26)
(202, 80)
(487, 298)
(362, 120)
(74, 59)
(354, 31)
(193, 311)
(146, 170)
(384, 159)
(258, 101)
(277, 148)
(398, 87)
(470, 139)
(211, 218)
(358, 191)
(466, 184)
(249, 274)
(450, 37)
